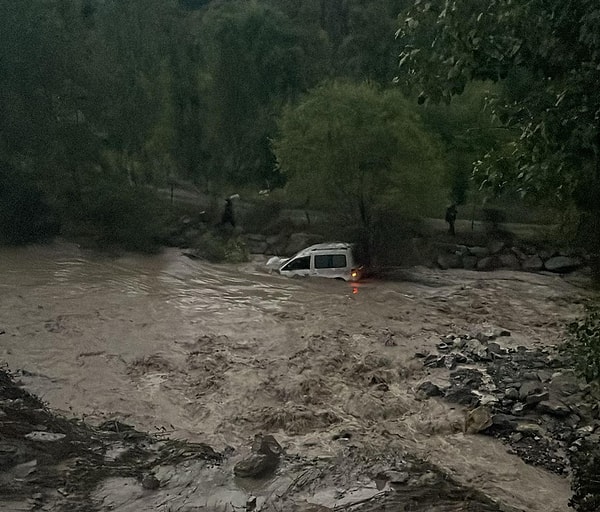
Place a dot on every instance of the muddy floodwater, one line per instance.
(219, 353)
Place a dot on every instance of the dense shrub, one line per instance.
(586, 478)
(584, 344)
(218, 248)
(24, 214)
(124, 215)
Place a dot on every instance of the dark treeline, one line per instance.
(100, 99)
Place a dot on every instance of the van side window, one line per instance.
(302, 263)
(330, 261)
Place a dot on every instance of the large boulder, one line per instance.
(446, 261)
(495, 246)
(509, 260)
(479, 252)
(532, 263)
(488, 263)
(562, 264)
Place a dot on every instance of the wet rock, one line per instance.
(517, 409)
(532, 264)
(469, 262)
(479, 252)
(564, 383)
(150, 482)
(477, 420)
(505, 421)
(42, 436)
(509, 261)
(530, 388)
(428, 389)
(553, 408)
(562, 264)
(254, 466)
(530, 429)
(495, 246)
(446, 261)
(397, 477)
(536, 398)
(344, 436)
(488, 263)
(511, 394)
(264, 459)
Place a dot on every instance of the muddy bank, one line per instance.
(51, 463)
(217, 354)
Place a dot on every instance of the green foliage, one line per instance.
(586, 478)
(24, 214)
(120, 214)
(547, 55)
(584, 344)
(467, 131)
(218, 248)
(355, 148)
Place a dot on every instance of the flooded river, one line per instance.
(219, 353)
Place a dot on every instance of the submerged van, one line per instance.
(334, 260)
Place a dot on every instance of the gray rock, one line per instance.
(446, 261)
(479, 252)
(532, 264)
(518, 253)
(530, 388)
(509, 261)
(554, 408)
(564, 383)
(150, 482)
(428, 389)
(477, 420)
(530, 429)
(495, 246)
(511, 394)
(255, 466)
(487, 263)
(266, 452)
(42, 436)
(562, 264)
(469, 262)
(546, 254)
(505, 421)
(536, 398)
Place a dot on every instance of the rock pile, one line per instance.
(526, 397)
(499, 255)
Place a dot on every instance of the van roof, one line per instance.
(327, 246)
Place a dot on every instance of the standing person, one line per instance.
(228, 217)
(451, 213)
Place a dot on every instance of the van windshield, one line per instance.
(330, 261)
(302, 263)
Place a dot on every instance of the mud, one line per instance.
(216, 354)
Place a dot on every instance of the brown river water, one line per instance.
(218, 353)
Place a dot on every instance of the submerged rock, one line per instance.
(264, 459)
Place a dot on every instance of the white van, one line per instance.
(334, 260)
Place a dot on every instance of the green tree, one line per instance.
(358, 149)
(547, 54)
(254, 63)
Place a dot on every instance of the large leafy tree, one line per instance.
(547, 52)
(356, 149)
